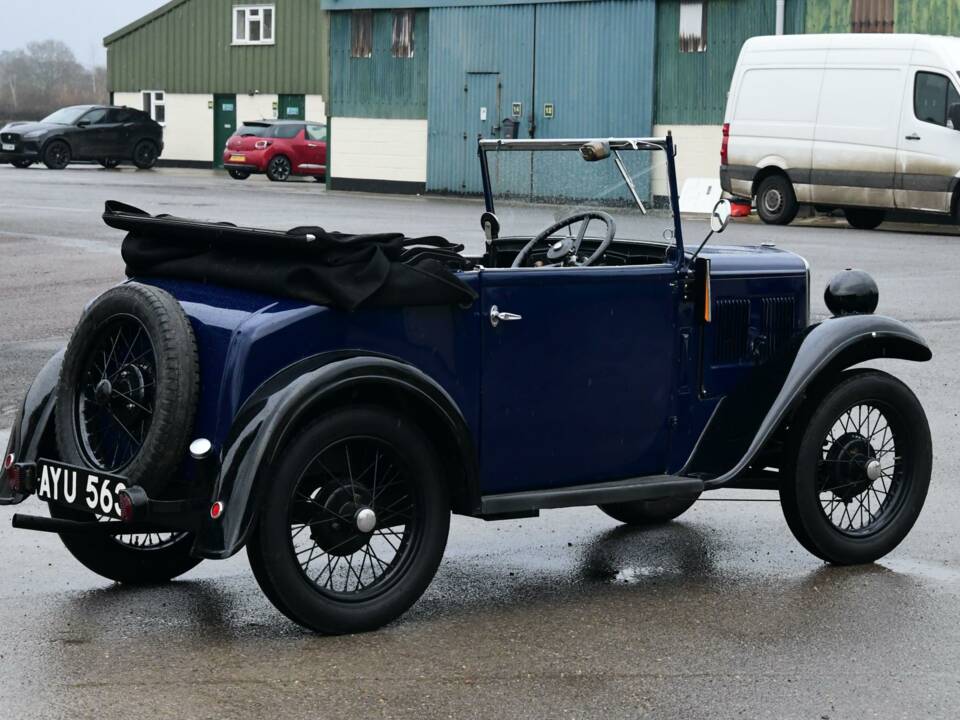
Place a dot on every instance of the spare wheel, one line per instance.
(128, 387)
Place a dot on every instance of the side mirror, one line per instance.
(83, 124)
(720, 217)
(596, 150)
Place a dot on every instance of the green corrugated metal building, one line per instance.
(200, 66)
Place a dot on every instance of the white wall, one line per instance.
(188, 130)
(698, 154)
(316, 108)
(378, 149)
(255, 107)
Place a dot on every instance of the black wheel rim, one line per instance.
(59, 154)
(281, 168)
(116, 394)
(862, 473)
(145, 153)
(345, 480)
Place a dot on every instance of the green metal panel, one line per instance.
(828, 16)
(691, 88)
(291, 107)
(380, 86)
(185, 47)
(935, 17)
(224, 123)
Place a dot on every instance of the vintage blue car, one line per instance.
(327, 400)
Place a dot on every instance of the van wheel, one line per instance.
(864, 219)
(776, 201)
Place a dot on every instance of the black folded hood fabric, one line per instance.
(305, 263)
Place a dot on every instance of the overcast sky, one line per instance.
(82, 25)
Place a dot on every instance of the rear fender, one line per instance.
(33, 420)
(292, 398)
(746, 419)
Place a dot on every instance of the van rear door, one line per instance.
(855, 144)
(928, 158)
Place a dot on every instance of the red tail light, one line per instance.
(723, 144)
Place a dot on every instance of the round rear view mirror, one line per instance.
(720, 216)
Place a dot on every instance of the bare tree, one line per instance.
(44, 76)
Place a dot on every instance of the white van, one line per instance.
(866, 123)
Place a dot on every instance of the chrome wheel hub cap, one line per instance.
(366, 520)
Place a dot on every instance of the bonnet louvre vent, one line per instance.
(732, 322)
(779, 322)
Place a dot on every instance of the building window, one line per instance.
(403, 33)
(253, 24)
(361, 33)
(871, 16)
(693, 26)
(154, 104)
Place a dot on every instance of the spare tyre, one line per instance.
(128, 387)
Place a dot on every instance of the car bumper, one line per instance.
(26, 151)
(252, 160)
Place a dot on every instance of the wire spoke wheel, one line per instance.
(353, 518)
(860, 472)
(115, 405)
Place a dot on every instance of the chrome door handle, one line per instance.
(912, 136)
(496, 316)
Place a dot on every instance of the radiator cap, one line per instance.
(851, 292)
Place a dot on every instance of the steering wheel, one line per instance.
(564, 252)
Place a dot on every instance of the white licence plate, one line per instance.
(78, 488)
(8, 147)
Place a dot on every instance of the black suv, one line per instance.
(108, 135)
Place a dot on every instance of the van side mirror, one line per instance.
(720, 217)
(953, 115)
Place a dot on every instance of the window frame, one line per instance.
(946, 103)
(396, 45)
(259, 8)
(701, 45)
(355, 16)
(154, 103)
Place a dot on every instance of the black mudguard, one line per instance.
(32, 421)
(272, 415)
(744, 420)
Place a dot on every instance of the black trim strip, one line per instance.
(921, 182)
(397, 187)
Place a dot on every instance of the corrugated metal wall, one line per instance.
(593, 61)
(936, 17)
(380, 86)
(830, 16)
(691, 88)
(188, 50)
(472, 40)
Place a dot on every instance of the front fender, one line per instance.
(32, 421)
(282, 404)
(744, 420)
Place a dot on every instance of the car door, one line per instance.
(316, 150)
(120, 126)
(88, 140)
(928, 156)
(855, 142)
(578, 388)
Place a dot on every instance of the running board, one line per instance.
(653, 487)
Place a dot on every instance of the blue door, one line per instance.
(580, 389)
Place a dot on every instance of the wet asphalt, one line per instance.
(718, 615)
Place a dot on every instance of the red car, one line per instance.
(279, 148)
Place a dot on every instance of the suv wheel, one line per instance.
(56, 155)
(22, 164)
(109, 163)
(776, 201)
(279, 169)
(864, 218)
(145, 154)
(355, 524)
